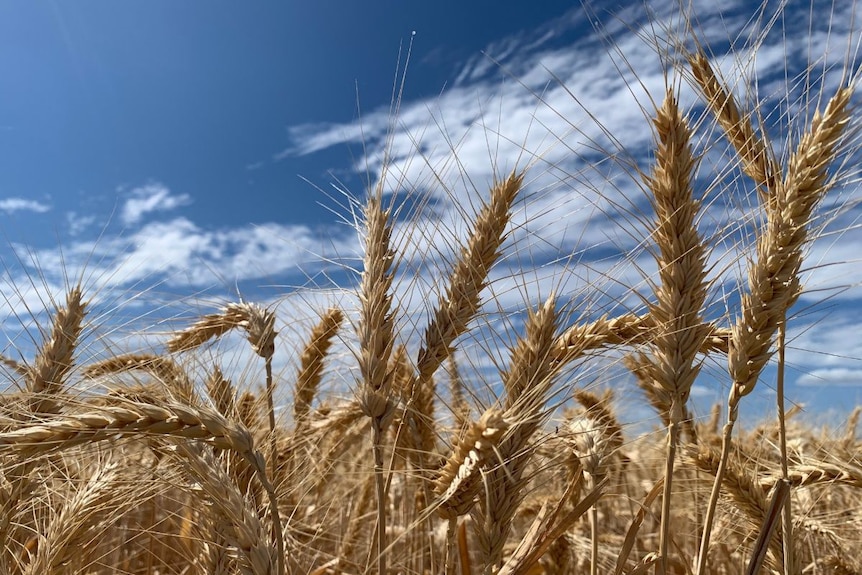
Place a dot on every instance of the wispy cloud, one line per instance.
(154, 197)
(12, 205)
(78, 223)
(180, 253)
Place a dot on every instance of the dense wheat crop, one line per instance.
(382, 451)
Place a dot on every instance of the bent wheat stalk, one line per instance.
(140, 419)
(457, 307)
(773, 282)
(259, 325)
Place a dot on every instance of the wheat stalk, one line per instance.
(773, 281)
(376, 338)
(671, 369)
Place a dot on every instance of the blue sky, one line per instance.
(178, 151)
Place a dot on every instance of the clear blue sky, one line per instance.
(181, 145)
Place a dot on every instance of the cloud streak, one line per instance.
(13, 205)
(154, 197)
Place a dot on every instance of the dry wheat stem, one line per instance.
(631, 534)
(787, 517)
(357, 525)
(745, 492)
(765, 537)
(547, 530)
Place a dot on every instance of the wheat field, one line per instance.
(379, 452)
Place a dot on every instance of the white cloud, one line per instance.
(12, 205)
(834, 376)
(182, 254)
(154, 197)
(78, 223)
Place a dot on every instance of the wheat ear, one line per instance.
(459, 304)
(757, 162)
(595, 437)
(311, 364)
(55, 359)
(126, 418)
(222, 393)
(259, 325)
(14, 365)
(73, 527)
(459, 481)
(816, 474)
(140, 419)
(164, 369)
(626, 330)
(460, 407)
(235, 519)
(308, 378)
